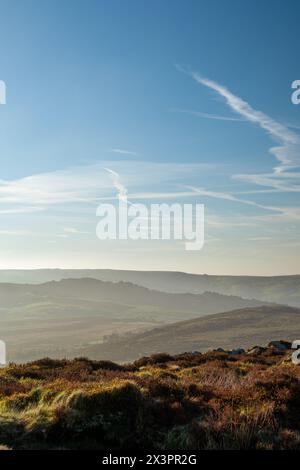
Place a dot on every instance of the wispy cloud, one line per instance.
(21, 210)
(233, 198)
(259, 239)
(278, 213)
(287, 152)
(279, 182)
(124, 152)
(88, 184)
(163, 195)
(77, 184)
(75, 231)
(215, 117)
(17, 233)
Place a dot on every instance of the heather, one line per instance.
(214, 400)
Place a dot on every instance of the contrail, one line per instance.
(122, 190)
(288, 151)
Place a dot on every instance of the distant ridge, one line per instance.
(122, 292)
(279, 289)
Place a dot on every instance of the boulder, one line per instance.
(237, 351)
(280, 345)
(221, 350)
(256, 350)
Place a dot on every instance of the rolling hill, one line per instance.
(121, 292)
(235, 329)
(280, 289)
(57, 317)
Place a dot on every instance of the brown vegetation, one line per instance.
(214, 400)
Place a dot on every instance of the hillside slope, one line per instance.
(239, 328)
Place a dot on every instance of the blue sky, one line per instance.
(186, 101)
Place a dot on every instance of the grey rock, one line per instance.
(220, 350)
(256, 350)
(237, 351)
(280, 345)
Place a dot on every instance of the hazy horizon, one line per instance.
(297, 273)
